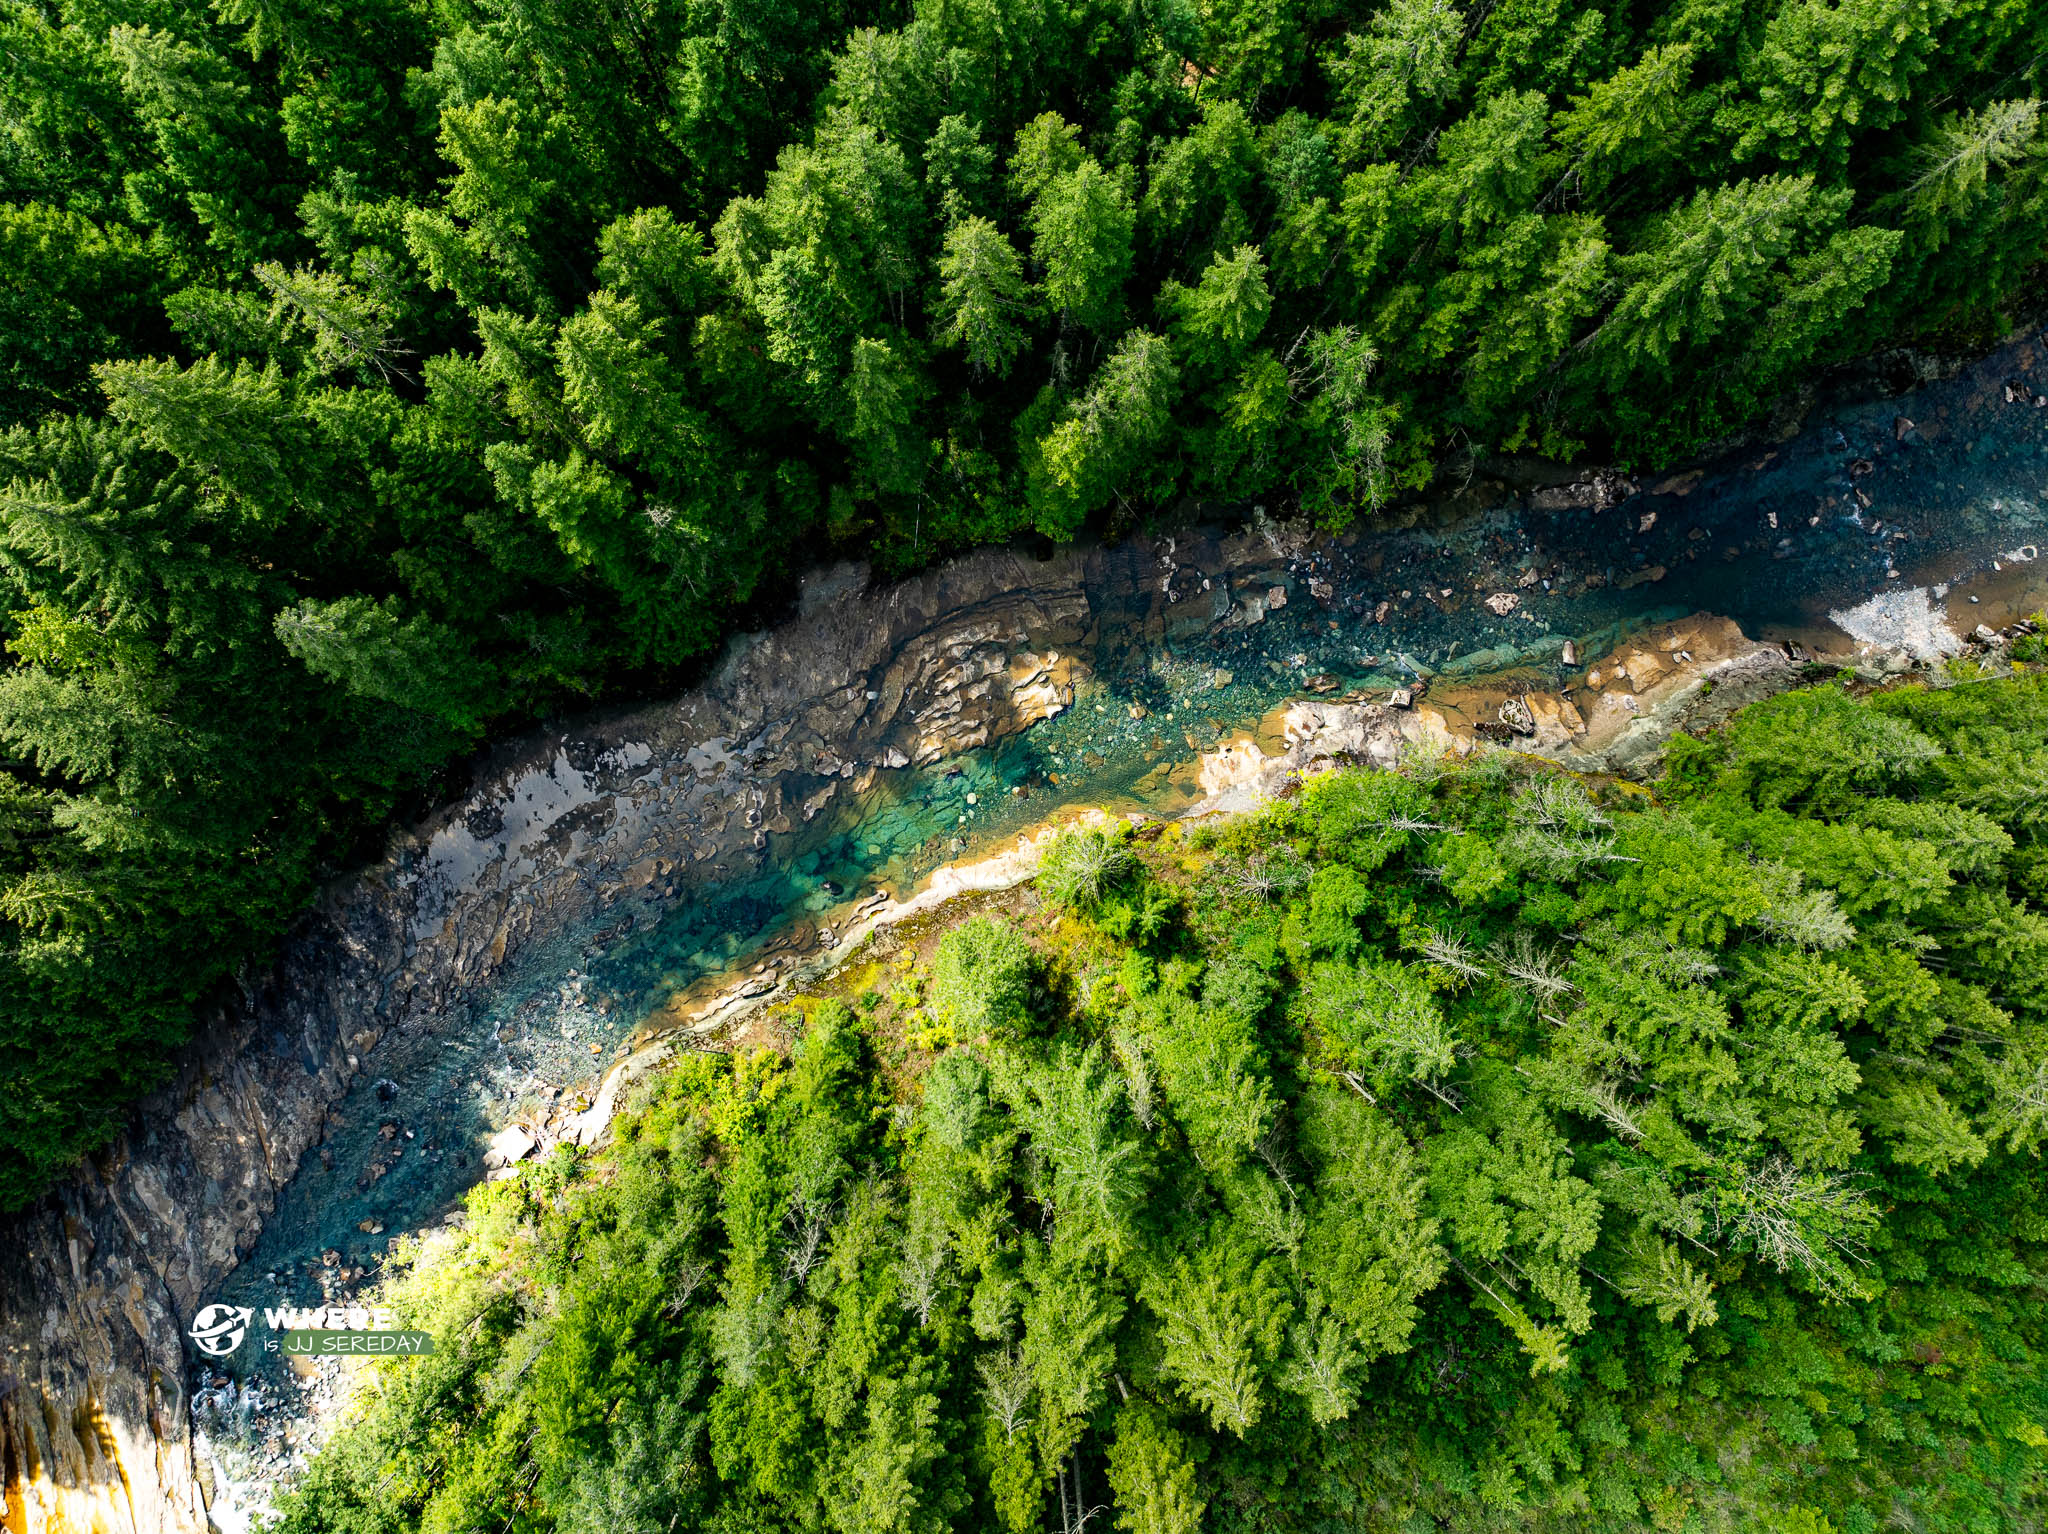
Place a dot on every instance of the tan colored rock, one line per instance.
(1431, 729)
(509, 1145)
(1235, 766)
(1643, 668)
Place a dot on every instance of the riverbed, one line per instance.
(1897, 522)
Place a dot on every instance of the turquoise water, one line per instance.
(1774, 538)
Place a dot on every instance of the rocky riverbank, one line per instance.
(1611, 715)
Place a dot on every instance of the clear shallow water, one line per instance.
(1967, 485)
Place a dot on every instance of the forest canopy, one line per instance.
(1457, 1147)
(374, 373)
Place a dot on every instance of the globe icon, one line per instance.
(218, 1329)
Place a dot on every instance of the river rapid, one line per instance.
(1898, 523)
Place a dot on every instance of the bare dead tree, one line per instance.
(1799, 1221)
(1535, 968)
(1453, 953)
(1006, 1388)
(687, 1283)
(1606, 1101)
(806, 1224)
(1074, 1511)
(923, 1275)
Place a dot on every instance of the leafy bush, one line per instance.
(981, 979)
(1083, 866)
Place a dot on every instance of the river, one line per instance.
(1894, 521)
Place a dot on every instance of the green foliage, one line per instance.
(1153, 1474)
(1082, 224)
(1221, 1318)
(1082, 866)
(1218, 319)
(1684, 881)
(982, 297)
(1369, 1244)
(956, 1099)
(1101, 440)
(1215, 1074)
(981, 979)
(1380, 1020)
